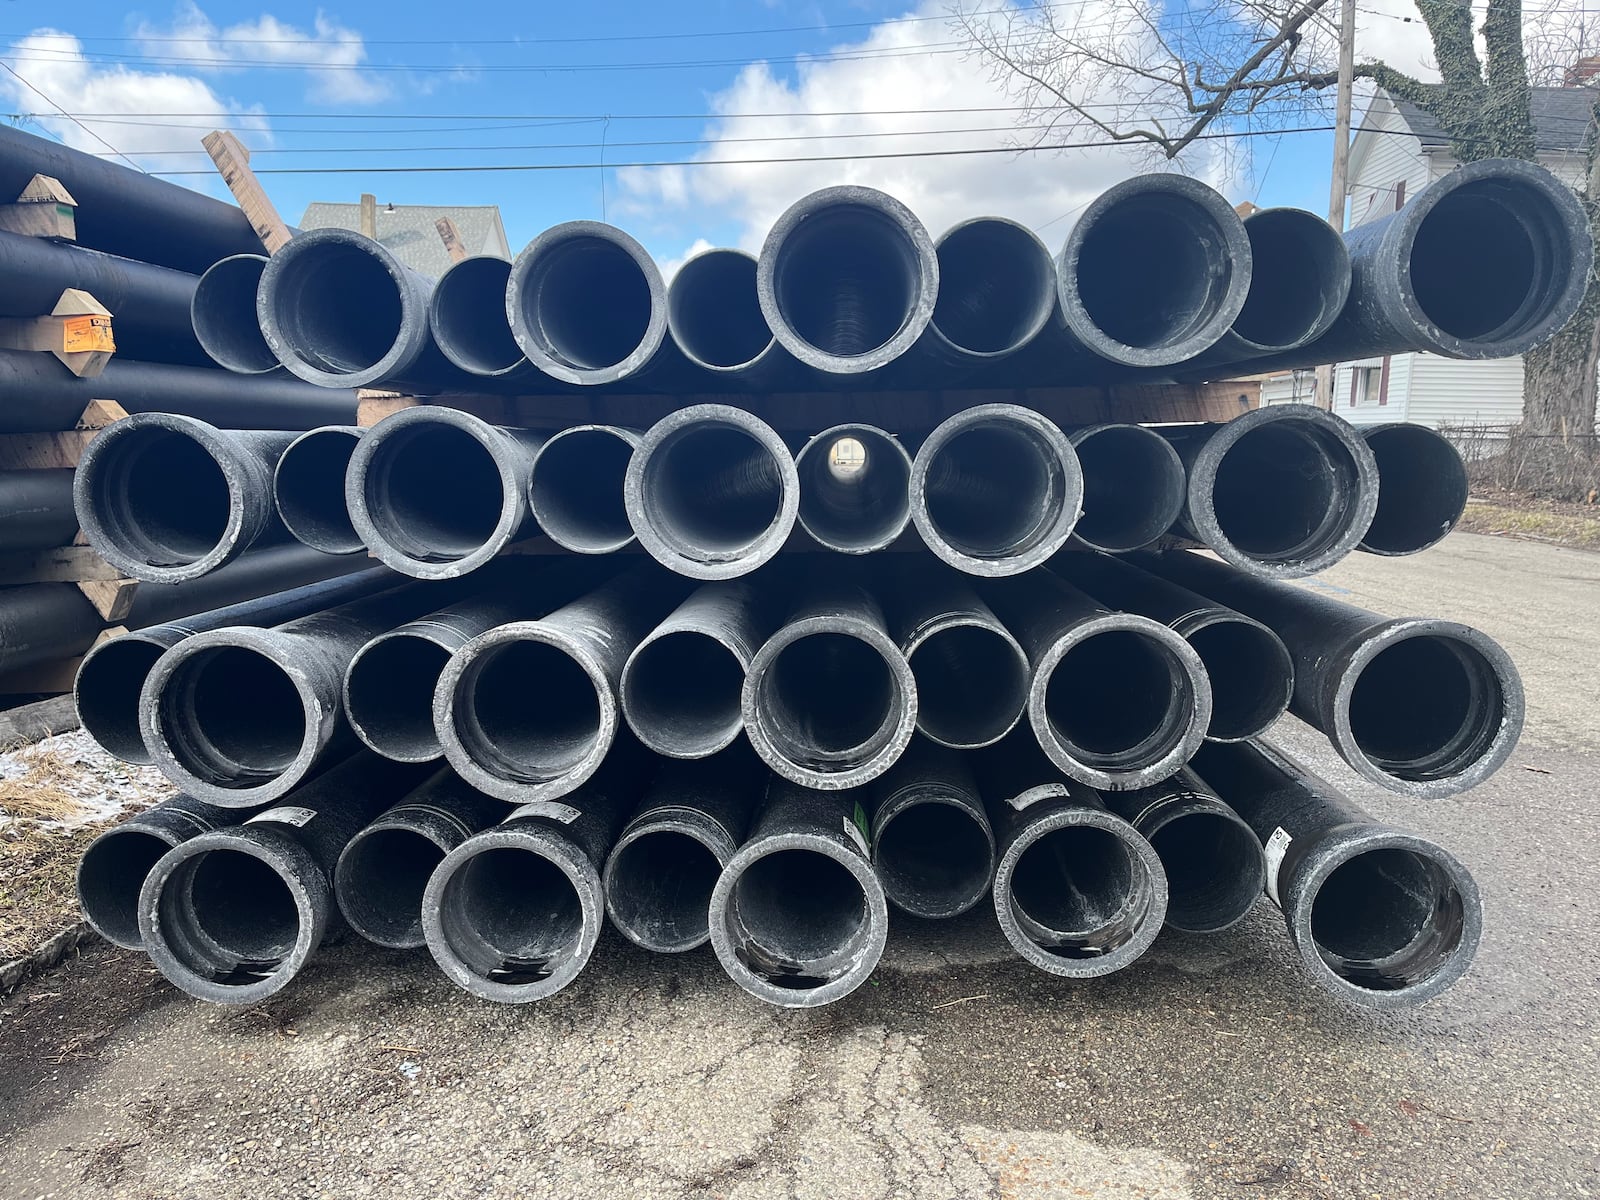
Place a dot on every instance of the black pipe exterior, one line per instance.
(1251, 673)
(167, 499)
(1420, 706)
(222, 311)
(1133, 486)
(1422, 488)
(308, 489)
(853, 488)
(714, 315)
(1380, 916)
(233, 914)
(576, 488)
(798, 917)
(36, 509)
(467, 314)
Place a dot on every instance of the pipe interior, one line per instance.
(1426, 707)
(587, 302)
(863, 504)
(682, 692)
(161, 497)
(995, 489)
(828, 700)
(113, 870)
(534, 713)
(577, 490)
(228, 917)
(797, 918)
(232, 716)
(1214, 866)
(659, 888)
(1284, 490)
(390, 693)
(309, 489)
(972, 685)
(1422, 489)
(1388, 918)
(225, 320)
(511, 915)
(712, 489)
(1119, 700)
(1250, 672)
(1296, 263)
(1153, 270)
(1078, 891)
(715, 312)
(381, 877)
(1133, 487)
(469, 316)
(997, 286)
(337, 307)
(934, 856)
(434, 492)
(108, 687)
(847, 279)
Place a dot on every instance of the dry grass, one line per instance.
(40, 793)
(1575, 525)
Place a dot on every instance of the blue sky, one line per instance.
(367, 85)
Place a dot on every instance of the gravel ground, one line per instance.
(1208, 1069)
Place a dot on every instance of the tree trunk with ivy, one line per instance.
(1561, 379)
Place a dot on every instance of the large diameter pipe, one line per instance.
(232, 915)
(166, 498)
(383, 871)
(681, 685)
(660, 874)
(308, 489)
(996, 490)
(436, 493)
(1116, 700)
(1380, 916)
(38, 396)
(1077, 891)
(577, 485)
(112, 675)
(848, 278)
(36, 509)
(1422, 488)
(529, 709)
(1421, 706)
(1280, 492)
(798, 917)
(997, 292)
(829, 701)
(223, 313)
(714, 315)
(1251, 673)
(711, 491)
(240, 716)
(467, 313)
(1214, 864)
(512, 914)
(854, 482)
(932, 845)
(1133, 486)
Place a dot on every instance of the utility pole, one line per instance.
(1341, 154)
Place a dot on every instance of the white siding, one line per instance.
(1381, 161)
(1447, 391)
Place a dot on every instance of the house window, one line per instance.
(1366, 386)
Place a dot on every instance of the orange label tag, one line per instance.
(86, 333)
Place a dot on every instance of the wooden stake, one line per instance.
(233, 164)
(451, 236)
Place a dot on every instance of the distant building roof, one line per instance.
(408, 231)
(1561, 118)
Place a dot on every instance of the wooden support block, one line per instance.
(45, 210)
(66, 564)
(233, 164)
(112, 598)
(38, 451)
(97, 414)
(77, 331)
(451, 236)
(372, 407)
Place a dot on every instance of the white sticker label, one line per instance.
(1277, 844)
(288, 815)
(549, 809)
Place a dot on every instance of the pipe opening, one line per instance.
(1251, 676)
(389, 693)
(847, 279)
(433, 492)
(1153, 270)
(1387, 919)
(853, 489)
(533, 713)
(161, 497)
(228, 917)
(224, 315)
(1119, 700)
(972, 685)
(1078, 892)
(1285, 490)
(1422, 489)
(468, 311)
(1215, 870)
(1298, 264)
(380, 880)
(995, 490)
(934, 858)
(576, 495)
(586, 302)
(232, 717)
(714, 311)
(712, 490)
(511, 916)
(337, 307)
(1133, 487)
(659, 889)
(112, 871)
(309, 489)
(827, 701)
(997, 287)
(107, 693)
(1428, 706)
(796, 918)
(681, 693)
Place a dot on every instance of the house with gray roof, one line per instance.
(408, 230)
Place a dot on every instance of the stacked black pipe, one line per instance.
(769, 686)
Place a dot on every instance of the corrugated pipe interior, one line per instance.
(1422, 489)
(224, 315)
(467, 312)
(308, 487)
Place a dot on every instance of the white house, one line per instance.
(1400, 150)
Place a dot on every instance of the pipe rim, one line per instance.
(96, 916)
(693, 265)
(384, 745)
(1019, 660)
(231, 272)
(899, 460)
(944, 796)
(705, 830)
(1198, 805)
(126, 744)
(1437, 447)
(292, 513)
(559, 530)
(1282, 667)
(345, 886)
(707, 745)
(1329, 248)
(438, 301)
(1044, 303)
(1164, 504)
